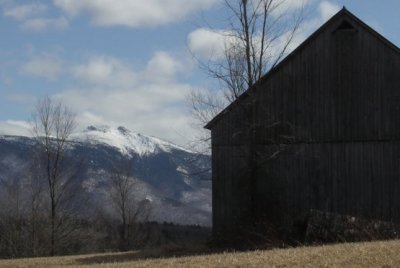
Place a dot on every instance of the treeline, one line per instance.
(46, 211)
(31, 226)
(27, 228)
(99, 234)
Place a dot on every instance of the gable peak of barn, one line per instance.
(343, 21)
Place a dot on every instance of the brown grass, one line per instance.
(374, 254)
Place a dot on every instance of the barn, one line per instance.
(320, 131)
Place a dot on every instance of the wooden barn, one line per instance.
(320, 131)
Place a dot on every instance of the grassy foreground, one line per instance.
(374, 254)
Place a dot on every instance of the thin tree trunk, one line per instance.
(247, 43)
(53, 226)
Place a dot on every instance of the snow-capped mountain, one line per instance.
(173, 179)
(127, 142)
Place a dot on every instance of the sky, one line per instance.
(130, 62)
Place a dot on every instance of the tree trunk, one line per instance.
(53, 228)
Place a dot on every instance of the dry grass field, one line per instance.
(374, 254)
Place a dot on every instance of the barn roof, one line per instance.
(340, 16)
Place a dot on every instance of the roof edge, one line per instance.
(343, 11)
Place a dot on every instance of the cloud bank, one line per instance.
(209, 43)
(132, 13)
(149, 100)
(44, 66)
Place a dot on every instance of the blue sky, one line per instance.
(127, 62)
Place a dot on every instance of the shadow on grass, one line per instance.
(143, 255)
(173, 250)
(112, 258)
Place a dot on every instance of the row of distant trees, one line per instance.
(40, 209)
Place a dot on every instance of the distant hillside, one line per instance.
(173, 179)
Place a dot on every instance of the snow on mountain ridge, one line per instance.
(125, 140)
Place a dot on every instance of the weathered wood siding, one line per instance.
(230, 186)
(343, 86)
(351, 178)
(335, 102)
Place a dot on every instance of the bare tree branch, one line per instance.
(130, 210)
(259, 36)
(53, 123)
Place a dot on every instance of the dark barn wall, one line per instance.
(335, 103)
(359, 179)
(230, 171)
(339, 98)
(343, 86)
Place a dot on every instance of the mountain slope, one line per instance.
(163, 171)
(127, 142)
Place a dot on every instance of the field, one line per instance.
(373, 254)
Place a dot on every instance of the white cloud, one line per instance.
(287, 6)
(148, 100)
(23, 12)
(87, 118)
(211, 44)
(208, 43)
(109, 91)
(327, 10)
(41, 24)
(133, 13)
(163, 67)
(31, 17)
(45, 66)
(17, 128)
(105, 71)
(154, 109)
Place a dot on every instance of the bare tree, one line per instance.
(259, 34)
(53, 123)
(130, 210)
(11, 230)
(35, 216)
(20, 213)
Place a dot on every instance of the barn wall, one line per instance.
(230, 188)
(333, 109)
(360, 179)
(344, 86)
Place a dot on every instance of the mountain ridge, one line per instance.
(164, 171)
(124, 139)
